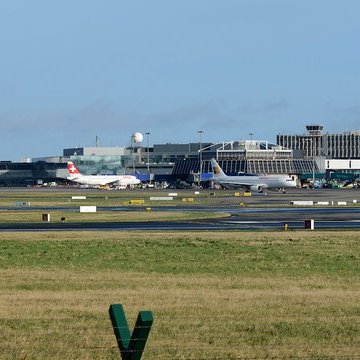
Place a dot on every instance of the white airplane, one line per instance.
(100, 180)
(251, 182)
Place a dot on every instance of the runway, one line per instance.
(240, 219)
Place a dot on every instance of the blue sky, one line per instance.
(74, 70)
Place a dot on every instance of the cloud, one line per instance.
(343, 119)
(266, 107)
(21, 123)
(198, 112)
(352, 116)
(46, 132)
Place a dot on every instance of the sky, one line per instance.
(71, 71)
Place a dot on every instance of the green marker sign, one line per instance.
(131, 345)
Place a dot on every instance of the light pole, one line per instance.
(133, 152)
(200, 132)
(251, 142)
(148, 155)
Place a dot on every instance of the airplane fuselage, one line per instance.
(264, 182)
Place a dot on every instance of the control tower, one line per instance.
(314, 130)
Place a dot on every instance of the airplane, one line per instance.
(251, 182)
(100, 180)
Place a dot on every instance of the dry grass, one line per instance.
(106, 216)
(224, 298)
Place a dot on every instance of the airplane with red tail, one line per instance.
(100, 180)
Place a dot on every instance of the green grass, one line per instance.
(225, 256)
(285, 295)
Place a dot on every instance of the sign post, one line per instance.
(131, 346)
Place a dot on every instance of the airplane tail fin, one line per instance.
(73, 170)
(216, 169)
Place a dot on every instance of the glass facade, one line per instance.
(23, 174)
(252, 166)
(104, 165)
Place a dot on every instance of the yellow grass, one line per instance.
(59, 313)
(105, 216)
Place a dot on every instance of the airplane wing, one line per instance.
(112, 182)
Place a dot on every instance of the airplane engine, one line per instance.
(256, 188)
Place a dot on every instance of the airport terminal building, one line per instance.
(333, 153)
(162, 162)
(315, 143)
(296, 155)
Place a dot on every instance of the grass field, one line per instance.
(106, 216)
(230, 295)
